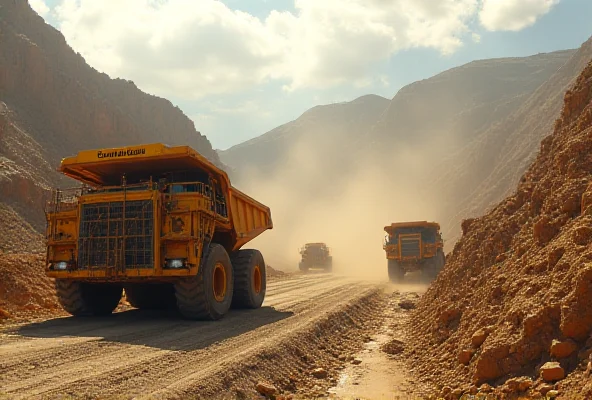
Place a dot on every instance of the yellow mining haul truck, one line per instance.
(413, 246)
(161, 222)
(315, 255)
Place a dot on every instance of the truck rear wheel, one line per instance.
(250, 280)
(395, 271)
(81, 298)
(208, 294)
(329, 264)
(148, 296)
(434, 266)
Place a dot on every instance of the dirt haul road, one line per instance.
(305, 322)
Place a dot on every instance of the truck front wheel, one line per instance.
(250, 280)
(208, 294)
(395, 271)
(81, 298)
(303, 266)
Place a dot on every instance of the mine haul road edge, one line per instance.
(146, 352)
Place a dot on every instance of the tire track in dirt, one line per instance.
(123, 328)
(132, 354)
(164, 366)
(98, 347)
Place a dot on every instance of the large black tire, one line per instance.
(329, 264)
(207, 295)
(303, 267)
(434, 266)
(250, 280)
(395, 272)
(148, 296)
(81, 298)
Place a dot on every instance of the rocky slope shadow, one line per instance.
(53, 104)
(25, 178)
(513, 307)
(501, 154)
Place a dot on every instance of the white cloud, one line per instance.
(476, 37)
(513, 15)
(248, 107)
(39, 7)
(192, 49)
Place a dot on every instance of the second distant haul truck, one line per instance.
(316, 255)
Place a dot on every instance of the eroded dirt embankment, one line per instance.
(25, 291)
(512, 309)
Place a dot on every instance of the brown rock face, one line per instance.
(520, 384)
(53, 104)
(586, 199)
(320, 373)
(464, 357)
(266, 388)
(552, 371)
(537, 299)
(576, 313)
(24, 288)
(562, 349)
(479, 337)
(78, 107)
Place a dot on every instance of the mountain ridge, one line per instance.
(53, 104)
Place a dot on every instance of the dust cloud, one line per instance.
(325, 192)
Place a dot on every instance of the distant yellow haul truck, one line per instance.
(161, 222)
(316, 255)
(413, 246)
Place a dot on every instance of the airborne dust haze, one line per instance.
(324, 192)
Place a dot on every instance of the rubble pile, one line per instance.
(25, 291)
(512, 310)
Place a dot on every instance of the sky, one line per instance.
(239, 68)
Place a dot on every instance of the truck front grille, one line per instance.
(113, 237)
(410, 247)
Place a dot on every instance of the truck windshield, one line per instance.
(112, 189)
(427, 234)
(177, 188)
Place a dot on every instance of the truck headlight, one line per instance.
(61, 266)
(175, 263)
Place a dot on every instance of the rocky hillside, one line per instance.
(52, 104)
(319, 129)
(458, 103)
(513, 306)
(459, 100)
(489, 167)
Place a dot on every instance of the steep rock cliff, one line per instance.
(54, 104)
(516, 292)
